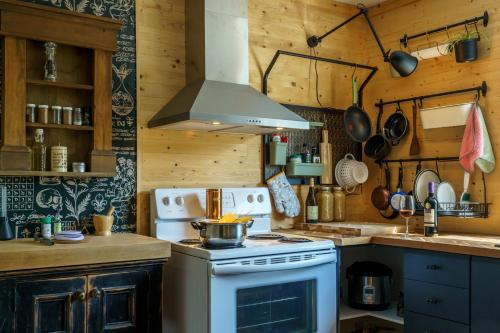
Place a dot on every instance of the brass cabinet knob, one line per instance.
(94, 293)
(81, 295)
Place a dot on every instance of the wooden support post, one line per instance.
(102, 158)
(14, 154)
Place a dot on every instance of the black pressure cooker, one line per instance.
(369, 285)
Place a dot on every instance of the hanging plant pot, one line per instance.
(466, 50)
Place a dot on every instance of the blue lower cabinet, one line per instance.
(437, 300)
(485, 295)
(419, 323)
(6, 306)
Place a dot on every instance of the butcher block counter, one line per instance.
(467, 244)
(22, 254)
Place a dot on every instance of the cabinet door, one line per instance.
(53, 305)
(485, 295)
(6, 306)
(118, 302)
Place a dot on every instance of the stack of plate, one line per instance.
(445, 193)
(69, 235)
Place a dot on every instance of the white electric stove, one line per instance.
(288, 284)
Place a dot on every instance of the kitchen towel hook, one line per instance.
(437, 167)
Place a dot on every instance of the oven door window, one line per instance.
(280, 308)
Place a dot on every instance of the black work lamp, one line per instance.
(402, 62)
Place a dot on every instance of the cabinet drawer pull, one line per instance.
(95, 293)
(81, 295)
(432, 300)
(433, 267)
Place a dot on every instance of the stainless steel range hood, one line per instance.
(218, 96)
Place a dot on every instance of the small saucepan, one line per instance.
(381, 194)
(377, 147)
(396, 126)
(216, 235)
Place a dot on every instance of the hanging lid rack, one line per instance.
(474, 20)
(481, 90)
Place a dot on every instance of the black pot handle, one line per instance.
(379, 118)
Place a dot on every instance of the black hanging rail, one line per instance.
(482, 89)
(331, 61)
(474, 20)
(423, 159)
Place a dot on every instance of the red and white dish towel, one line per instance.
(476, 145)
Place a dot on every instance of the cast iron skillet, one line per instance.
(396, 126)
(356, 121)
(377, 147)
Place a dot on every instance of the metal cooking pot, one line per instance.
(396, 126)
(377, 147)
(215, 234)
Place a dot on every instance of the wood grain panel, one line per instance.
(188, 159)
(393, 19)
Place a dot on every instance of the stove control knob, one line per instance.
(250, 198)
(260, 198)
(179, 201)
(166, 201)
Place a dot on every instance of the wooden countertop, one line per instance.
(468, 244)
(20, 254)
(474, 245)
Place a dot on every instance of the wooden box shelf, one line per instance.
(84, 79)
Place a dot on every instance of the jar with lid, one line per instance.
(339, 204)
(325, 203)
(67, 115)
(39, 152)
(77, 116)
(55, 114)
(30, 113)
(42, 115)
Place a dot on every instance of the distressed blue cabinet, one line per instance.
(6, 305)
(485, 295)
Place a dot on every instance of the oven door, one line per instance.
(281, 293)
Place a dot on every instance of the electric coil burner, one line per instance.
(294, 240)
(265, 236)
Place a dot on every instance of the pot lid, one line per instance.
(368, 268)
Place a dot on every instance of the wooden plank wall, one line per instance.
(189, 159)
(392, 20)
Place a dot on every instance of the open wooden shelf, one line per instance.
(346, 312)
(61, 126)
(56, 84)
(58, 174)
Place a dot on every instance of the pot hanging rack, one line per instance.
(481, 91)
(278, 53)
(474, 20)
(458, 209)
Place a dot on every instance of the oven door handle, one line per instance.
(239, 268)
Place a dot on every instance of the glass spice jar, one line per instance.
(55, 114)
(325, 203)
(30, 113)
(67, 115)
(339, 204)
(42, 115)
(77, 116)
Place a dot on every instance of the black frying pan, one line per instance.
(356, 121)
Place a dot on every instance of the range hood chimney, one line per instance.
(218, 96)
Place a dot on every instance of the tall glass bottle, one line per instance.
(311, 204)
(39, 151)
(431, 207)
(50, 73)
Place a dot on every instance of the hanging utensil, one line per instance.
(377, 147)
(396, 196)
(414, 146)
(381, 194)
(396, 126)
(356, 121)
(465, 196)
(388, 213)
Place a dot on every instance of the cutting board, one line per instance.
(325, 151)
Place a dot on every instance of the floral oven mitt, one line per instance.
(285, 199)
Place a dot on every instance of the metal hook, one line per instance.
(477, 31)
(421, 103)
(354, 71)
(399, 105)
(437, 167)
(447, 33)
(466, 30)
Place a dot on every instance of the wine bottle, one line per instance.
(311, 204)
(431, 206)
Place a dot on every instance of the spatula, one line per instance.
(414, 146)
